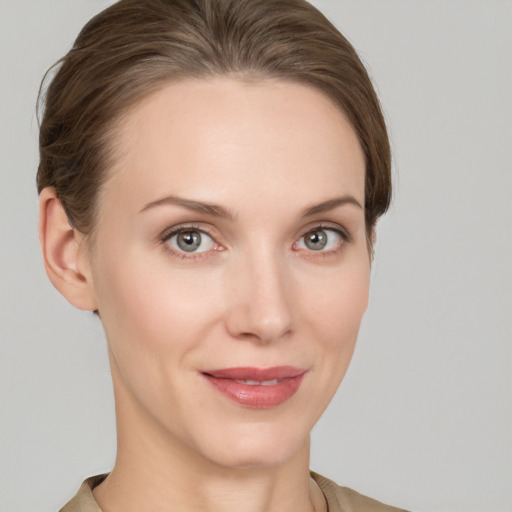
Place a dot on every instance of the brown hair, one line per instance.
(133, 48)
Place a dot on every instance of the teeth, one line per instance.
(272, 382)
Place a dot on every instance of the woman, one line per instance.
(211, 173)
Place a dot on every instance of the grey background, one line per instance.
(423, 419)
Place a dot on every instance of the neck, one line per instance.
(155, 471)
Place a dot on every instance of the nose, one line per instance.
(260, 303)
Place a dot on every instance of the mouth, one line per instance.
(258, 388)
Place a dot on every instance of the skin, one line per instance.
(255, 295)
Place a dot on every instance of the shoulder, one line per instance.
(343, 499)
(83, 500)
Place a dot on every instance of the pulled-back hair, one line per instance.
(135, 47)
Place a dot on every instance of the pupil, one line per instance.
(189, 241)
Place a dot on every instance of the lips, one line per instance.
(257, 387)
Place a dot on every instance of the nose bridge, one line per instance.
(261, 305)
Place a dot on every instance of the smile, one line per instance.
(257, 388)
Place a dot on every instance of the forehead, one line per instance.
(209, 136)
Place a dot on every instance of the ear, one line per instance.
(65, 254)
(371, 240)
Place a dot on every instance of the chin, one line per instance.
(257, 446)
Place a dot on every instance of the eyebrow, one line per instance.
(197, 206)
(219, 211)
(331, 204)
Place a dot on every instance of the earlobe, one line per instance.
(64, 253)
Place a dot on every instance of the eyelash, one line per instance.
(171, 232)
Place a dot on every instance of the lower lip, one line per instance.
(258, 396)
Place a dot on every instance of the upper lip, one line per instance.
(256, 374)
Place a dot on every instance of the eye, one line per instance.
(321, 239)
(191, 241)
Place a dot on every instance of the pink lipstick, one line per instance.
(257, 387)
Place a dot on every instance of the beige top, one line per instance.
(339, 499)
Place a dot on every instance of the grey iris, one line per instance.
(316, 240)
(189, 241)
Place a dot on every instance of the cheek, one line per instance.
(331, 315)
(335, 312)
(155, 319)
(153, 308)
(340, 299)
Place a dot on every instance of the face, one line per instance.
(230, 266)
